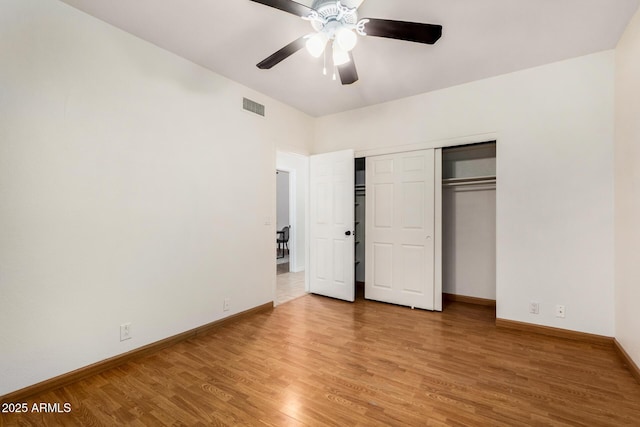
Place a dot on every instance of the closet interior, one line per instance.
(359, 227)
(469, 223)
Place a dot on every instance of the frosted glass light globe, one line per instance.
(315, 44)
(340, 56)
(346, 38)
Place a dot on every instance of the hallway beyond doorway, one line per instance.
(289, 286)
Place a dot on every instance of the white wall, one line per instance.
(469, 241)
(627, 185)
(298, 167)
(554, 207)
(115, 202)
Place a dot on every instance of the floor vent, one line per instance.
(253, 107)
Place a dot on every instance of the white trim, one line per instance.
(307, 244)
(437, 254)
(451, 142)
(305, 158)
(293, 219)
(293, 209)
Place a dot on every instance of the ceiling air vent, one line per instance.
(253, 107)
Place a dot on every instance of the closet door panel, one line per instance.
(383, 194)
(320, 260)
(412, 202)
(399, 265)
(413, 271)
(382, 266)
(340, 249)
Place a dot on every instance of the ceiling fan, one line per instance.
(339, 25)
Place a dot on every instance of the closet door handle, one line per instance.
(347, 233)
(428, 238)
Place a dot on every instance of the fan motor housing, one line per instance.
(329, 10)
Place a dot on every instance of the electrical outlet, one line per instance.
(534, 307)
(560, 311)
(225, 304)
(125, 331)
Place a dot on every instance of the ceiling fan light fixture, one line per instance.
(337, 23)
(340, 56)
(316, 43)
(346, 38)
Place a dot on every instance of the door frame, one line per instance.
(438, 145)
(294, 208)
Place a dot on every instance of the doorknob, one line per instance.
(347, 233)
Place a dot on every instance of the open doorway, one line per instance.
(283, 223)
(291, 210)
(469, 223)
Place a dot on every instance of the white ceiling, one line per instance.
(481, 38)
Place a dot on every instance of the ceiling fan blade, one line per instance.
(287, 6)
(282, 54)
(402, 30)
(348, 72)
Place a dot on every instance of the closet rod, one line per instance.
(470, 184)
(454, 182)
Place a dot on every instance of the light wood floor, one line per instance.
(317, 361)
(289, 286)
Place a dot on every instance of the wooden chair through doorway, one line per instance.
(283, 241)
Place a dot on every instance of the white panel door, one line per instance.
(400, 229)
(331, 225)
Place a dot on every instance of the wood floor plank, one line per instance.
(316, 361)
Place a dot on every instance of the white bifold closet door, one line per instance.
(331, 225)
(400, 229)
